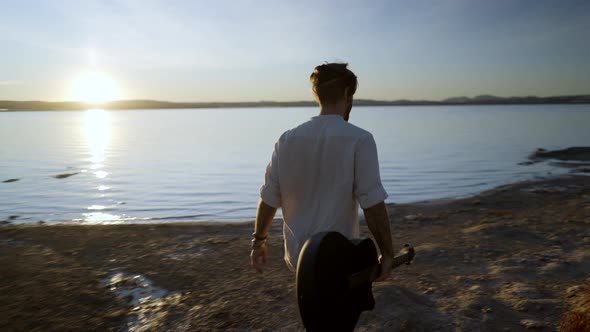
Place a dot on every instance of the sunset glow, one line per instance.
(94, 87)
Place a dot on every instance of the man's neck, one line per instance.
(336, 109)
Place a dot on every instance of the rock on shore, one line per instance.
(574, 153)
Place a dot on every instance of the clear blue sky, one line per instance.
(265, 50)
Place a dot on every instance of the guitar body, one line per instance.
(328, 300)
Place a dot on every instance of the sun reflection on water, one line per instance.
(98, 131)
(103, 218)
(101, 174)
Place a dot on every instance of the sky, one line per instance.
(240, 50)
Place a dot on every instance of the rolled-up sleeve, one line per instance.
(270, 192)
(368, 188)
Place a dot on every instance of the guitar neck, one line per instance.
(398, 260)
(402, 259)
(371, 273)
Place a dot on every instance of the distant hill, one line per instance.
(8, 105)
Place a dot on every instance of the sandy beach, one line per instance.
(510, 259)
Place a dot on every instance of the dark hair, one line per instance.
(330, 80)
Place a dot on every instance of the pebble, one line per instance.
(532, 324)
(553, 267)
(429, 290)
(475, 288)
(524, 291)
(572, 291)
(528, 305)
(520, 306)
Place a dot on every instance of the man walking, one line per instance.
(320, 172)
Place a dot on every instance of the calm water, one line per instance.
(208, 164)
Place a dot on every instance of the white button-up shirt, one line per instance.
(319, 173)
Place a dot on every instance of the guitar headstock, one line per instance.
(405, 256)
(409, 251)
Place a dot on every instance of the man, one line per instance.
(320, 172)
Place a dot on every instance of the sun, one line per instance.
(94, 87)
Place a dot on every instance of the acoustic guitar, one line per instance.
(334, 280)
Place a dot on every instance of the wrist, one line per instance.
(258, 241)
(259, 237)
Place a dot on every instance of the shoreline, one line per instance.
(434, 201)
(512, 257)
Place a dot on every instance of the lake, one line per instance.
(208, 164)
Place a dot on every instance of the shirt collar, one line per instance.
(328, 117)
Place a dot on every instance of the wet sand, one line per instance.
(510, 259)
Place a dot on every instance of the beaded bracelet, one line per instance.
(258, 237)
(258, 241)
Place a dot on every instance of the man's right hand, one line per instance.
(258, 257)
(386, 264)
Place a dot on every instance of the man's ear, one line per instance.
(347, 98)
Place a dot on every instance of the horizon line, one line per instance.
(448, 99)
